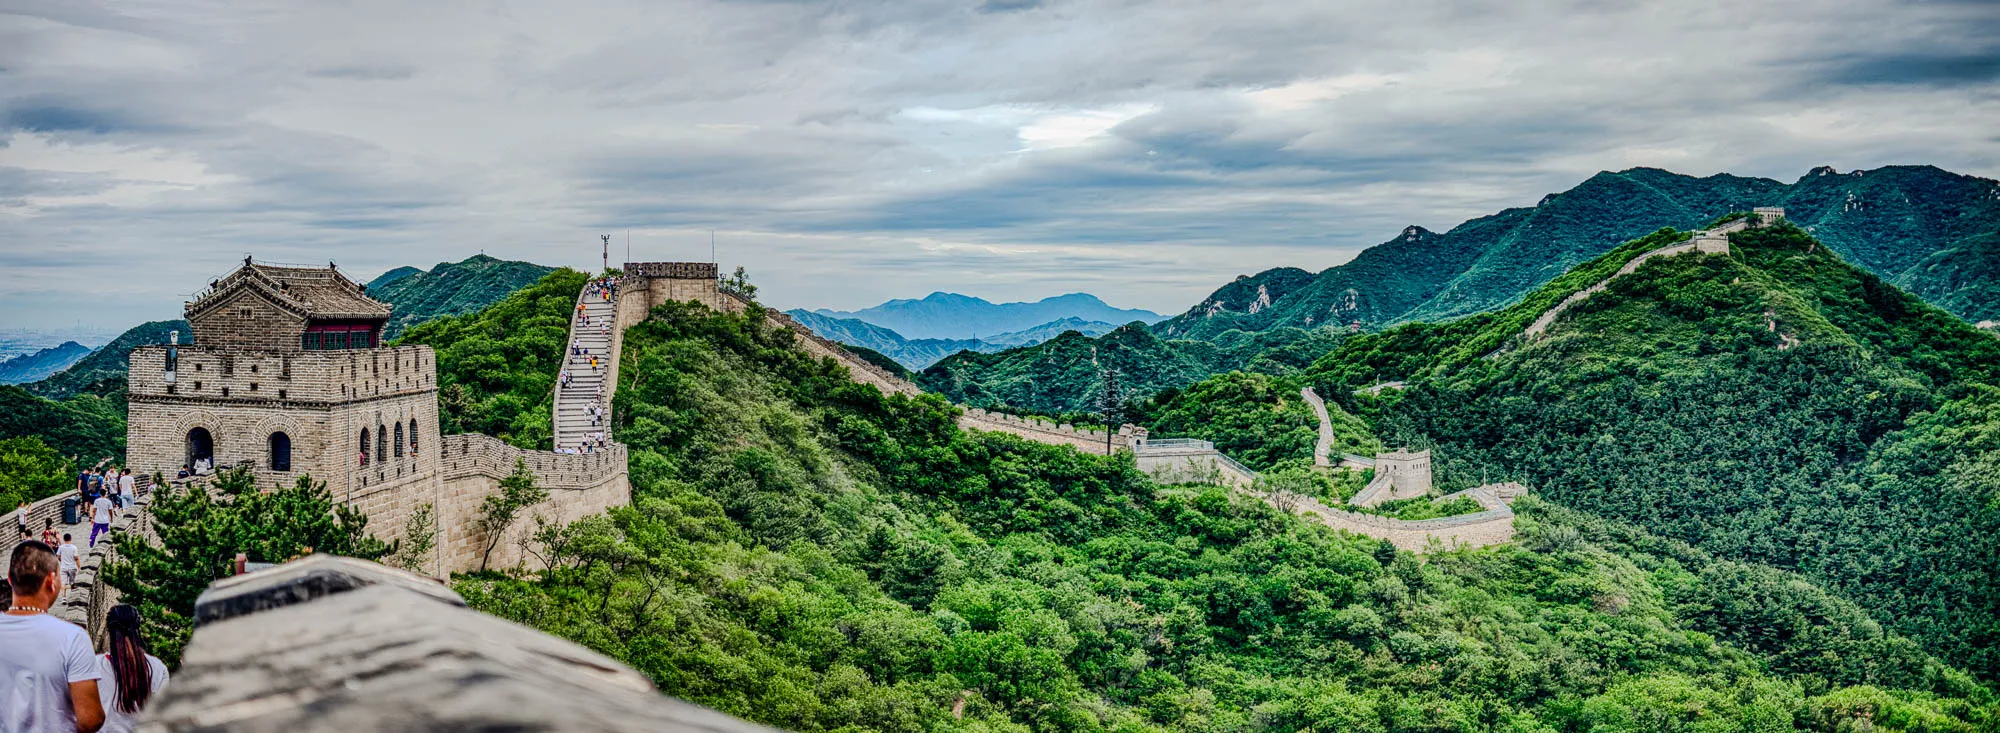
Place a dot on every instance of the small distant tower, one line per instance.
(1768, 215)
(1409, 472)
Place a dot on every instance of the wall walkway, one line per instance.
(1709, 241)
(1197, 461)
(1323, 449)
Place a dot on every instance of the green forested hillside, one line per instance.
(806, 552)
(102, 373)
(40, 364)
(1775, 406)
(503, 361)
(88, 427)
(1257, 419)
(450, 288)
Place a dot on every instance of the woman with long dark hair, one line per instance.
(132, 677)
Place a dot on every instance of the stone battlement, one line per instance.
(673, 270)
(1086, 439)
(301, 378)
(472, 454)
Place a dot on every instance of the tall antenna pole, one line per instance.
(711, 246)
(628, 245)
(607, 251)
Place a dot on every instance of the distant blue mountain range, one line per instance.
(954, 316)
(919, 353)
(41, 364)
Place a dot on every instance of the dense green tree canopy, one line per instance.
(504, 361)
(807, 552)
(1774, 406)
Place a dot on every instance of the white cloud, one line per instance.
(853, 152)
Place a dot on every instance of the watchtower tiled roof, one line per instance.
(311, 292)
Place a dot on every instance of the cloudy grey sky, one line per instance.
(850, 152)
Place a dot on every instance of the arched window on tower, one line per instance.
(381, 444)
(413, 437)
(364, 447)
(281, 452)
(399, 439)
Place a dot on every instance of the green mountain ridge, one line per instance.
(450, 288)
(1929, 230)
(952, 316)
(912, 354)
(40, 364)
(1889, 220)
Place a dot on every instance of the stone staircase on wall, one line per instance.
(589, 387)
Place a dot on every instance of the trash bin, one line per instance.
(70, 514)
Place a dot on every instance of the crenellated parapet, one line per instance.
(1088, 439)
(472, 454)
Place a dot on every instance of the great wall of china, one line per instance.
(279, 647)
(359, 394)
(1706, 241)
(1398, 475)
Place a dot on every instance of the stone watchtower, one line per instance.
(287, 373)
(1408, 472)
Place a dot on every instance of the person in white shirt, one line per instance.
(47, 661)
(128, 486)
(66, 560)
(100, 518)
(130, 676)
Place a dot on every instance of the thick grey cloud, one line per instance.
(850, 152)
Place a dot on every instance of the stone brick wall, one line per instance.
(338, 644)
(247, 320)
(1194, 467)
(473, 466)
(321, 400)
(1409, 473)
(671, 281)
(1086, 439)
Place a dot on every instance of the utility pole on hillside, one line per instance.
(607, 251)
(1110, 404)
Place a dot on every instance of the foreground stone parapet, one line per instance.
(335, 644)
(307, 580)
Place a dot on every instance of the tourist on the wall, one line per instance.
(47, 661)
(21, 517)
(128, 486)
(129, 675)
(66, 560)
(111, 487)
(100, 518)
(49, 532)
